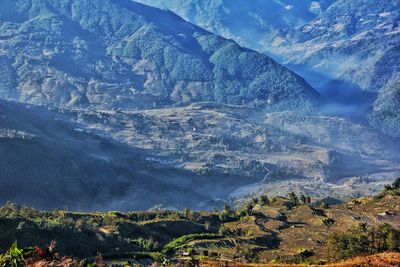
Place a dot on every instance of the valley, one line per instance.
(199, 133)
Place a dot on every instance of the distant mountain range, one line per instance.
(247, 22)
(122, 54)
(354, 46)
(348, 50)
(350, 41)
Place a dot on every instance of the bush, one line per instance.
(15, 256)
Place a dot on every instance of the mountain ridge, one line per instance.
(81, 59)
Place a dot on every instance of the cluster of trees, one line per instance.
(395, 185)
(364, 240)
(295, 200)
(393, 189)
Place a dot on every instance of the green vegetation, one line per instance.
(364, 240)
(14, 256)
(181, 242)
(264, 200)
(253, 233)
(393, 189)
(293, 199)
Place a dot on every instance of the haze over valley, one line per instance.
(117, 105)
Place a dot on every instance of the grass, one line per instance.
(182, 241)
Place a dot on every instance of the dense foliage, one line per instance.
(364, 240)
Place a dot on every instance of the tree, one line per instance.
(294, 200)
(249, 208)
(364, 240)
(396, 183)
(227, 208)
(387, 187)
(264, 200)
(187, 213)
(225, 213)
(303, 199)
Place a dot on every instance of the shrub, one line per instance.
(305, 253)
(15, 256)
(264, 200)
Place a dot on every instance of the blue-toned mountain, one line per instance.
(249, 23)
(353, 42)
(122, 54)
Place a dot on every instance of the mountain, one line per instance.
(354, 43)
(385, 115)
(141, 102)
(122, 54)
(247, 22)
(345, 49)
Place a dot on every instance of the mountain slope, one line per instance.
(385, 114)
(278, 151)
(352, 41)
(123, 54)
(195, 157)
(247, 22)
(50, 162)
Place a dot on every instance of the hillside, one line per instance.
(274, 151)
(248, 23)
(99, 160)
(348, 31)
(122, 54)
(265, 230)
(55, 163)
(353, 42)
(385, 110)
(347, 50)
